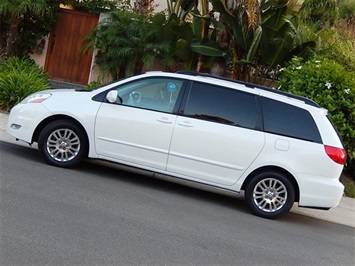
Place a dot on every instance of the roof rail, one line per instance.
(252, 86)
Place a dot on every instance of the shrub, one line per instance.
(332, 87)
(18, 79)
(338, 46)
(26, 22)
(93, 85)
(319, 11)
(347, 9)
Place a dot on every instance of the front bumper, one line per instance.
(24, 119)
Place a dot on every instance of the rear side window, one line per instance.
(288, 120)
(222, 105)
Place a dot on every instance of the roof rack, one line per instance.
(250, 85)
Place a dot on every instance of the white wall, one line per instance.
(161, 5)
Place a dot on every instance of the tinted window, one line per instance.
(222, 105)
(159, 94)
(288, 120)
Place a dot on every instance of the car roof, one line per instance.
(251, 86)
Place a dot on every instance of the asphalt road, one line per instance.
(98, 214)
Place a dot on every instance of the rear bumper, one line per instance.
(320, 192)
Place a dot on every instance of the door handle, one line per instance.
(185, 124)
(164, 120)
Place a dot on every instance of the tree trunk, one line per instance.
(138, 66)
(2, 32)
(219, 67)
(219, 64)
(200, 63)
(122, 71)
(12, 36)
(205, 28)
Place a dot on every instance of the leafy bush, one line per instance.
(23, 23)
(332, 87)
(349, 185)
(320, 11)
(95, 6)
(347, 9)
(337, 46)
(93, 85)
(18, 79)
(126, 40)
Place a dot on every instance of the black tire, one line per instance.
(62, 143)
(270, 195)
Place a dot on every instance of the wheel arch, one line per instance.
(274, 169)
(53, 118)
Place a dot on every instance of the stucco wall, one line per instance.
(40, 57)
(161, 5)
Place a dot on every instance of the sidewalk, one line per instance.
(344, 213)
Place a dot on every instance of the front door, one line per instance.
(65, 60)
(138, 129)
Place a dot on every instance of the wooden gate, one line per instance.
(65, 60)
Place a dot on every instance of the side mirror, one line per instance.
(112, 97)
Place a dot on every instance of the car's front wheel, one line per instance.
(270, 195)
(62, 143)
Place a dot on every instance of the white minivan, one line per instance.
(277, 147)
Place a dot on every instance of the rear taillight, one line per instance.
(338, 155)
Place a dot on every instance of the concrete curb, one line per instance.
(344, 213)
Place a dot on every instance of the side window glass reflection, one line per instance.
(158, 94)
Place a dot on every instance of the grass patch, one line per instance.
(349, 186)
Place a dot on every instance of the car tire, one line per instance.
(62, 143)
(270, 195)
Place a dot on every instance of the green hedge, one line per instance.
(18, 79)
(337, 46)
(347, 9)
(332, 87)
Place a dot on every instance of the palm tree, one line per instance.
(15, 10)
(262, 34)
(126, 40)
(241, 20)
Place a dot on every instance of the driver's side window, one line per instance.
(158, 94)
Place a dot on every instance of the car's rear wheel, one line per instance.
(62, 143)
(270, 195)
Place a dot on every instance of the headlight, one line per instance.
(36, 98)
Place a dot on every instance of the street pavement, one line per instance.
(344, 213)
